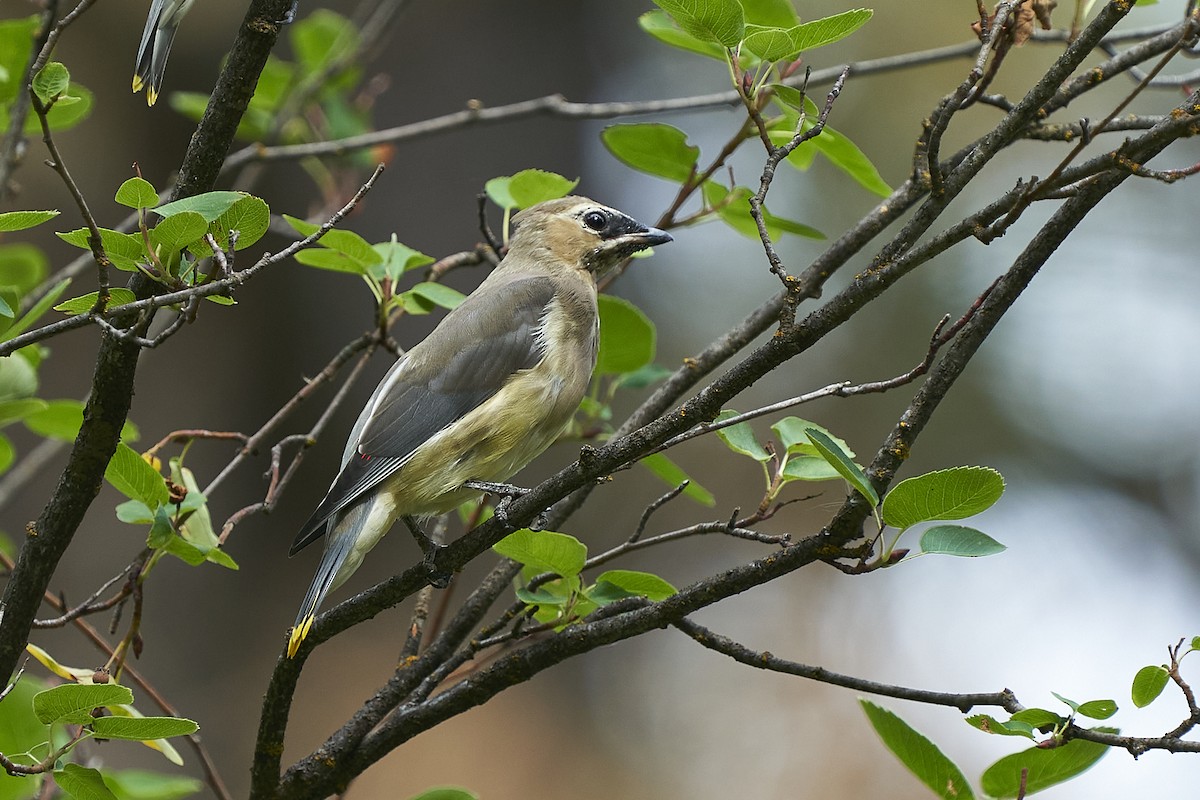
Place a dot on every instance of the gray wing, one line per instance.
(477, 347)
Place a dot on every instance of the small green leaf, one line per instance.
(143, 728)
(820, 32)
(989, 724)
(437, 294)
(1148, 684)
(809, 468)
(71, 108)
(545, 551)
(51, 81)
(8, 454)
(397, 259)
(740, 438)
(72, 703)
(22, 220)
(959, 540)
(137, 784)
(446, 793)
(1098, 709)
(653, 148)
(769, 43)
(1039, 718)
(627, 337)
(23, 266)
(346, 242)
(209, 205)
(717, 21)
(1042, 767)
(39, 308)
(137, 193)
(135, 512)
(82, 783)
(792, 433)
(644, 376)
(545, 596)
(124, 250)
(85, 303)
(921, 756)
(249, 216)
(532, 186)
(658, 24)
(842, 463)
(321, 39)
(1070, 703)
(642, 584)
(13, 410)
(673, 475)
(332, 260)
(954, 493)
(178, 231)
(133, 477)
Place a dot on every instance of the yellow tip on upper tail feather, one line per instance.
(137, 83)
(298, 634)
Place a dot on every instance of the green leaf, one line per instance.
(446, 793)
(331, 260)
(1039, 718)
(321, 39)
(13, 410)
(644, 376)
(61, 419)
(133, 477)
(989, 724)
(161, 745)
(1098, 709)
(135, 512)
(545, 596)
(249, 216)
(8, 454)
(532, 186)
(143, 728)
(959, 540)
(792, 433)
(197, 529)
(658, 24)
(627, 337)
(740, 438)
(1045, 767)
(347, 242)
(137, 784)
(921, 756)
(820, 32)
(954, 493)
(84, 303)
(653, 148)
(21, 220)
(71, 108)
(51, 81)
(209, 205)
(841, 152)
(842, 463)
(397, 259)
(1070, 703)
(642, 584)
(39, 308)
(82, 783)
(673, 475)
(437, 294)
(718, 21)
(20, 730)
(23, 266)
(777, 13)
(769, 43)
(137, 193)
(1148, 684)
(545, 551)
(72, 703)
(124, 250)
(178, 231)
(809, 468)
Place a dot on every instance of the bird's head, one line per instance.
(582, 233)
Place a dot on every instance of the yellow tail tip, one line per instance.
(151, 96)
(137, 83)
(298, 634)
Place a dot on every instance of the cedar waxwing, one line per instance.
(489, 389)
(161, 26)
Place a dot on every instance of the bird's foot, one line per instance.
(289, 16)
(507, 494)
(439, 577)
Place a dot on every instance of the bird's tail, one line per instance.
(338, 563)
(157, 38)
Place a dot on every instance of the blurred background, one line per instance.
(1084, 399)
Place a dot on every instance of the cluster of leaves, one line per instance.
(760, 41)
(37, 723)
(808, 452)
(314, 97)
(68, 102)
(23, 271)
(551, 584)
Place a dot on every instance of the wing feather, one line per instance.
(465, 361)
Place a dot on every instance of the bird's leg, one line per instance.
(438, 578)
(507, 493)
(289, 16)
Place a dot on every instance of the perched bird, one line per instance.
(488, 390)
(157, 36)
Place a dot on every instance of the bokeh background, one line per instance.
(1085, 399)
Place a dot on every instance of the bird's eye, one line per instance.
(595, 220)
